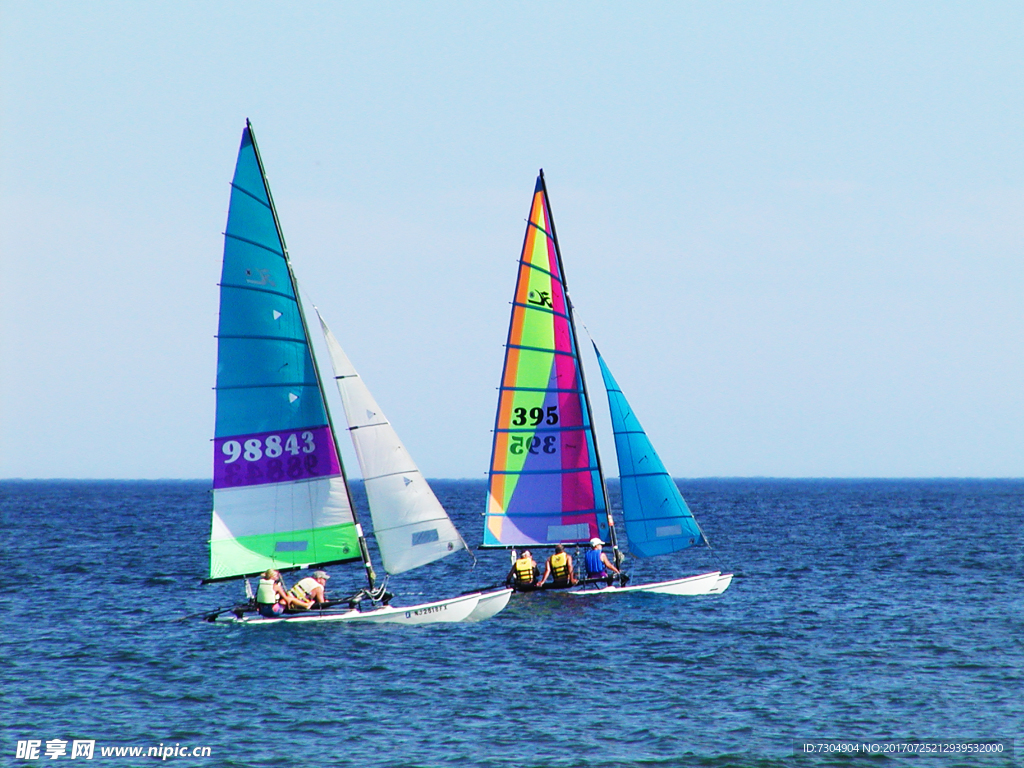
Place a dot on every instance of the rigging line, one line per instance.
(254, 244)
(540, 389)
(549, 430)
(465, 546)
(663, 473)
(257, 288)
(539, 308)
(547, 272)
(566, 471)
(541, 349)
(393, 474)
(584, 327)
(250, 194)
(237, 336)
(261, 386)
(539, 228)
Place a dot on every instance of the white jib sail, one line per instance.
(409, 523)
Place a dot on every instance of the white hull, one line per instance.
(724, 580)
(712, 583)
(443, 611)
(490, 603)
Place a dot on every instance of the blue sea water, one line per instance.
(861, 611)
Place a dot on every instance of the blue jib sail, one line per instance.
(657, 518)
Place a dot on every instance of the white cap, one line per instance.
(596, 542)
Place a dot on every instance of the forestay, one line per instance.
(409, 523)
(545, 483)
(657, 518)
(280, 499)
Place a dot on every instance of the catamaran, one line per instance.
(546, 482)
(281, 499)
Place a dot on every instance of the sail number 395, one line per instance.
(536, 416)
(520, 443)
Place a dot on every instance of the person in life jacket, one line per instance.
(597, 562)
(310, 590)
(524, 573)
(271, 599)
(559, 565)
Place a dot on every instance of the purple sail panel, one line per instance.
(274, 457)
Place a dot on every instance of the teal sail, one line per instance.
(657, 518)
(279, 494)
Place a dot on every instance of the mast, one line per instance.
(583, 379)
(363, 549)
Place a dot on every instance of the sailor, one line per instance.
(524, 573)
(597, 562)
(310, 590)
(271, 599)
(559, 565)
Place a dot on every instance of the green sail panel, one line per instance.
(279, 494)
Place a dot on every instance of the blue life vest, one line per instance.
(594, 565)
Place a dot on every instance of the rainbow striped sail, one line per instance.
(545, 477)
(279, 496)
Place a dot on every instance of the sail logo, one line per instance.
(261, 277)
(539, 299)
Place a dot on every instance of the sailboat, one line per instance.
(546, 482)
(410, 525)
(281, 499)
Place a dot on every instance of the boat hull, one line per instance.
(712, 583)
(724, 580)
(453, 610)
(489, 604)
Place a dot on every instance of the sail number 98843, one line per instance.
(274, 458)
(254, 449)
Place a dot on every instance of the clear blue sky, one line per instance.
(795, 229)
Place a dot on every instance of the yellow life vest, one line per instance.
(560, 566)
(298, 592)
(525, 570)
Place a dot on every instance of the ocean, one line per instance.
(869, 613)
